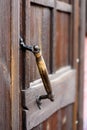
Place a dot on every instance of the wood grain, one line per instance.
(51, 28)
(82, 23)
(51, 123)
(64, 7)
(5, 78)
(61, 54)
(75, 43)
(64, 91)
(49, 3)
(44, 74)
(62, 40)
(15, 123)
(61, 6)
(40, 35)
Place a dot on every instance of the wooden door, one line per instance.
(50, 25)
(54, 26)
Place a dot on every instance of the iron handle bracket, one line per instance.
(42, 70)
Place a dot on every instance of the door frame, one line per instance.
(15, 87)
(82, 27)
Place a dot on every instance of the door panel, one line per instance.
(63, 85)
(40, 26)
(54, 25)
(62, 40)
(48, 24)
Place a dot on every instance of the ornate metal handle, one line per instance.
(42, 70)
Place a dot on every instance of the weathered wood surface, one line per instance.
(61, 58)
(65, 7)
(83, 15)
(47, 3)
(51, 29)
(75, 56)
(52, 76)
(5, 79)
(61, 49)
(40, 26)
(61, 6)
(64, 94)
(15, 111)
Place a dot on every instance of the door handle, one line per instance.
(42, 70)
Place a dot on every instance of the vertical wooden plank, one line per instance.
(71, 38)
(62, 40)
(51, 123)
(35, 37)
(55, 22)
(71, 51)
(59, 39)
(53, 37)
(59, 120)
(81, 66)
(39, 34)
(68, 111)
(5, 106)
(22, 53)
(75, 55)
(62, 54)
(69, 121)
(62, 59)
(27, 41)
(58, 57)
(15, 90)
(64, 118)
(46, 36)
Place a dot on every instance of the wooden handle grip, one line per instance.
(42, 69)
(44, 74)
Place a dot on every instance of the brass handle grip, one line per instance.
(43, 73)
(42, 70)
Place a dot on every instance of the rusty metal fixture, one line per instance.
(42, 70)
